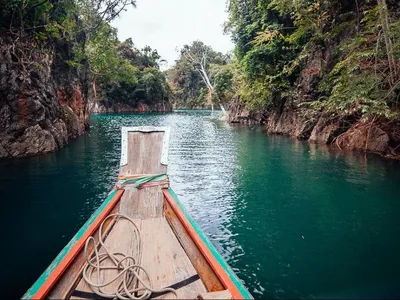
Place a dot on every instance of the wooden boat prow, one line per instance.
(175, 250)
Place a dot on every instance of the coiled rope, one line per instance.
(128, 267)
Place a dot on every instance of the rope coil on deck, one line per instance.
(127, 267)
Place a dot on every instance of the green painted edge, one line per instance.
(237, 282)
(144, 179)
(42, 279)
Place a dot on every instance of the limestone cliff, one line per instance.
(42, 98)
(294, 119)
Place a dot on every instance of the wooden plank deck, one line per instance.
(166, 261)
(144, 157)
(203, 268)
(163, 256)
(142, 204)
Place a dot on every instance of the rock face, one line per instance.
(42, 100)
(238, 113)
(381, 137)
(371, 138)
(98, 107)
(293, 119)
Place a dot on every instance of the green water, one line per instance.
(293, 220)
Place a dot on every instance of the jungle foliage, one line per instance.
(117, 71)
(202, 76)
(122, 73)
(359, 41)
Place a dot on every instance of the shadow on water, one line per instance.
(294, 220)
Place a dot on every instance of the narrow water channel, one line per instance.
(292, 219)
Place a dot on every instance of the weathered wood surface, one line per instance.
(144, 203)
(166, 261)
(216, 295)
(163, 257)
(202, 267)
(67, 282)
(144, 154)
(144, 157)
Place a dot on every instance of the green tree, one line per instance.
(274, 38)
(135, 74)
(191, 78)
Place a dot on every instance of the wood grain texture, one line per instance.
(163, 255)
(225, 294)
(201, 265)
(144, 154)
(144, 157)
(144, 203)
(166, 261)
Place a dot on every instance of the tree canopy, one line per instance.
(276, 38)
(275, 43)
(201, 76)
(126, 74)
(118, 71)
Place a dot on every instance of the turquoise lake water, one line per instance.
(293, 220)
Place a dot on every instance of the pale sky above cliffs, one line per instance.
(169, 24)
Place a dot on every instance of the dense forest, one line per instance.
(201, 77)
(59, 61)
(122, 74)
(327, 71)
(358, 41)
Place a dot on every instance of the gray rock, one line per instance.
(324, 131)
(33, 99)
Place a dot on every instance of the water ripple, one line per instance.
(293, 220)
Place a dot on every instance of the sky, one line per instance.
(167, 25)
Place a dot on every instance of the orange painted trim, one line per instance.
(59, 270)
(215, 265)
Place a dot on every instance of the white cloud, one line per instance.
(169, 24)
